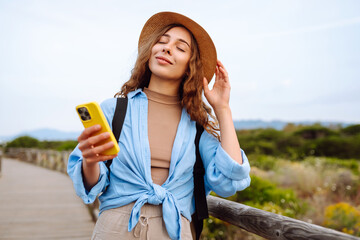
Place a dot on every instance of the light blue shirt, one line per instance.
(130, 175)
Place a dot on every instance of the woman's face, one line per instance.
(171, 54)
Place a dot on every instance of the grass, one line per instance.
(320, 182)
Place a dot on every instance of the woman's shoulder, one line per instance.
(110, 102)
(108, 107)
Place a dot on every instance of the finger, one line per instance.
(96, 151)
(220, 73)
(88, 132)
(220, 63)
(224, 73)
(217, 74)
(91, 141)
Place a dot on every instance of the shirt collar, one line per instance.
(135, 93)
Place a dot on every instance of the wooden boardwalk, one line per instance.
(36, 203)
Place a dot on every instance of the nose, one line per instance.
(167, 49)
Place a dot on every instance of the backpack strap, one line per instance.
(201, 208)
(118, 121)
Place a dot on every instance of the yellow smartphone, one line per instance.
(91, 114)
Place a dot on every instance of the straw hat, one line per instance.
(206, 46)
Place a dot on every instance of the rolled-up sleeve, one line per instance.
(223, 175)
(74, 170)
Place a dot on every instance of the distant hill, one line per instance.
(57, 135)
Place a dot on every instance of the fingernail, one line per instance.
(97, 127)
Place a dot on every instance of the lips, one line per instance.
(163, 59)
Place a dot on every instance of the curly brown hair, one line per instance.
(190, 90)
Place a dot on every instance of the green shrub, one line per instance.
(248, 145)
(265, 147)
(351, 130)
(313, 140)
(49, 144)
(289, 146)
(263, 162)
(23, 142)
(269, 134)
(67, 145)
(29, 142)
(343, 217)
(333, 146)
(262, 192)
(314, 132)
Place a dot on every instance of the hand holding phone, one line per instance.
(97, 138)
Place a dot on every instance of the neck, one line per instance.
(165, 86)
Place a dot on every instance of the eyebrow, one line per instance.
(180, 39)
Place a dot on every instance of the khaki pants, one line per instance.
(113, 224)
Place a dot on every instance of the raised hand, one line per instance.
(88, 145)
(218, 97)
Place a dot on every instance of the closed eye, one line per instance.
(163, 39)
(182, 50)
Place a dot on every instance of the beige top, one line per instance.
(164, 113)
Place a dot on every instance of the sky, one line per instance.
(290, 60)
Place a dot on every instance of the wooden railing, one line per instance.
(265, 224)
(51, 159)
(270, 225)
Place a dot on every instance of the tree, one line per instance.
(23, 142)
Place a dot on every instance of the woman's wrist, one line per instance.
(91, 173)
(88, 164)
(222, 112)
(90, 169)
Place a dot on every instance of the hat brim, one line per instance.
(206, 46)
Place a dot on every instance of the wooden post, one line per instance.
(270, 225)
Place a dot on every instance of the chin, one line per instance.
(165, 72)
(165, 75)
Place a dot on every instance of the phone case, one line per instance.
(91, 114)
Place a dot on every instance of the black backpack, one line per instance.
(201, 208)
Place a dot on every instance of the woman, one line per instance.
(149, 190)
